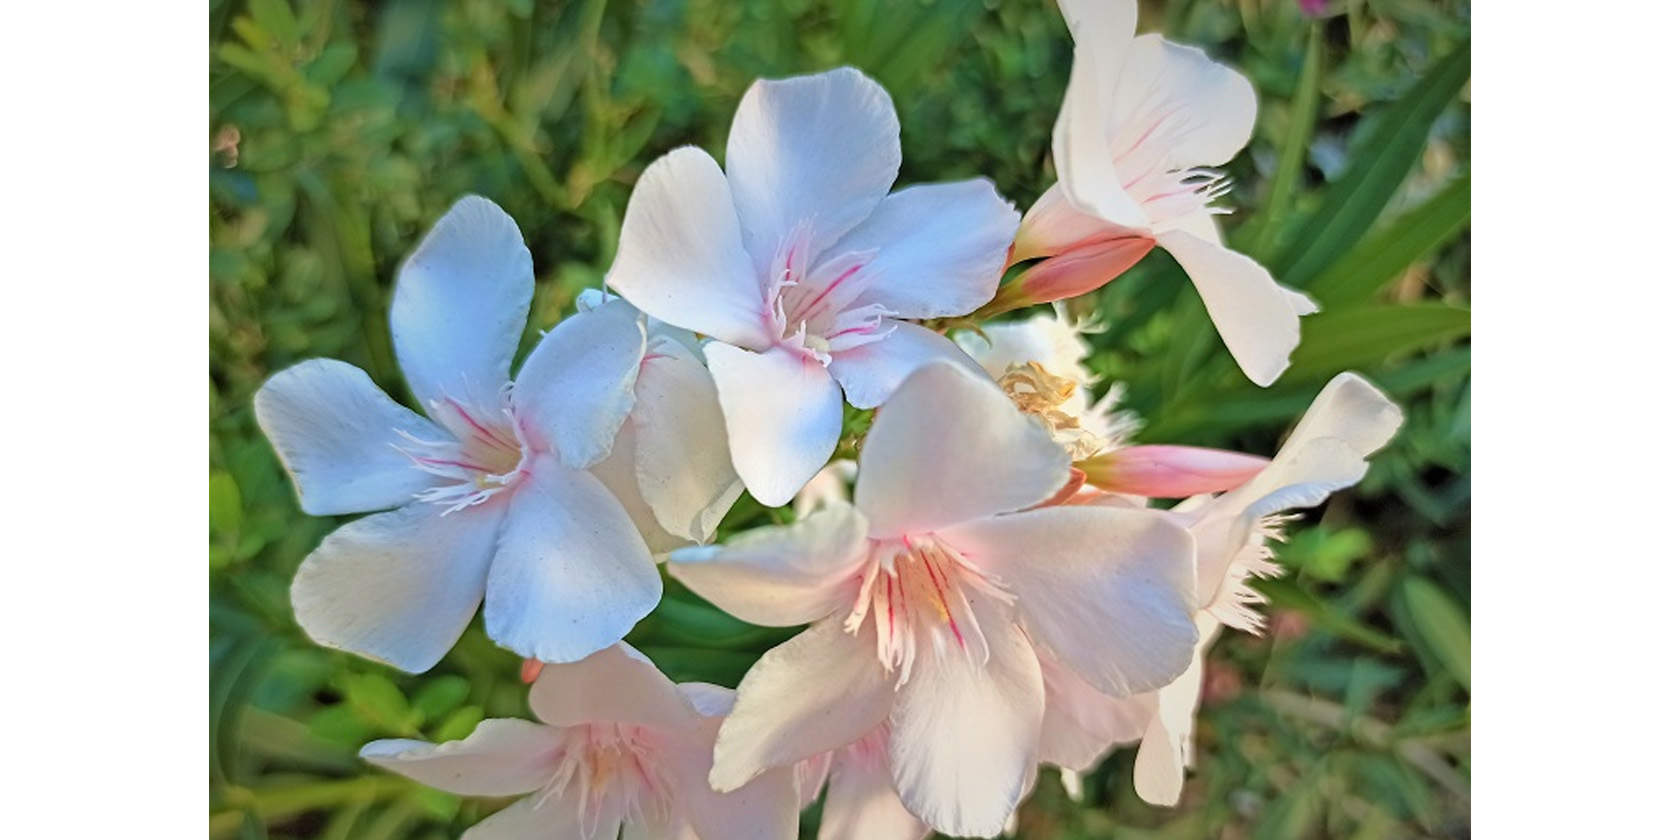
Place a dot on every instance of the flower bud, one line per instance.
(1170, 472)
(1081, 269)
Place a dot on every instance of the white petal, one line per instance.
(337, 436)
(575, 390)
(502, 757)
(1256, 319)
(862, 804)
(617, 684)
(782, 412)
(870, 373)
(708, 700)
(680, 257)
(682, 452)
(618, 474)
(571, 575)
(1079, 142)
(1175, 105)
(820, 690)
(460, 303)
(819, 150)
(766, 808)
(1109, 591)
(784, 575)
(1081, 723)
(939, 248)
(964, 737)
(1349, 409)
(1158, 771)
(1167, 746)
(400, 586)
(545, 818)
(947, 447)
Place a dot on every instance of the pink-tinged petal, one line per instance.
(861, 803)
(948, 447)
(832, 485)
(820, 690)
(708, 700)
(337, 436)
(939, 248)
(1167, 748)
(575, 390)
(1080, 270)
(1079, 142)
(502, 757)
(571, 575)
(820, 150)
(1109, 591)
(810, 775)
(540, 817)
(682, 453)
(766, 808)
(1253, 315)
(784, 575)
(459, 306)
(400, 586)
(871, 372)
(1175, 108)
(618, 474)
(616, 684)
(1170, 472)
(1349, 409)
(782, 412)
(1081, 724)
(680, 256)
(964, 735)
(1053, 225)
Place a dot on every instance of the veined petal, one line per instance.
(1054, 225)
(766, 808)
(782, 412)
(939, 248)
(820, 690)
(964, 737)
(1254, 316)
(615, 684)
(1081, 724)
(680, 257)
(782, 575)
(1109, 591)
(575, 390)
(870, 373)
(400, 586)
(1166, 749)
(618, 474)
(337, 435)
(861, 803)
(947, 447)
(460, 304)
(543, 818)
(1079, 142)
(819, 149)
(682, 454)
(571, 575)
(1175, 105)
(502, 757)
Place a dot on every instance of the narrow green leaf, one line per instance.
(1442, 624)
(1348, 339)
(1285, 593)
(378, 701)
(1382, 256)
(1303, 118)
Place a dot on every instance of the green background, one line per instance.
(339, 131)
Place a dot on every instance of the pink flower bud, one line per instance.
(1084, 268)
(1170, 472)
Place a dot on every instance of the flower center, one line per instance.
(610, 770)
(1042, 395)
(812, 307)
(486, 456)
(919, 590)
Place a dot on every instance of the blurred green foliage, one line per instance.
(339, 131)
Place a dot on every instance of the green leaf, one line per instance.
(1442, 624)
(1365, 270)
(440, 695)
(459, 724)
(378, 701)
(1379, 166)
(1303, 119)
(1366, 336)
(277, 20)
(1285, 593)
(225, 509)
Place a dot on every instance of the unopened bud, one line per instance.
(1077, 271)
(1170, 472)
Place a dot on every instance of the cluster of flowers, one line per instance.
(987, 587)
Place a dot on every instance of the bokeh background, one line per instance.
(339, 131)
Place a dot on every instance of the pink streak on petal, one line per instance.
(1171, 472)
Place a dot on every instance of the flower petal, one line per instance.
(1079, 142)
(939, 248)
(1054, 225)
(618, 474)
(1109, 591)
(1158, 773)
(571, 575)
(682, 454)
(820, 690)
(861, 803)
(782, 412)
(1254, 316)
(819, 149)
(680, 257)
(766, 808)
(947, 447)
(400, 586)
(1081, 723)
(964, 737)
(1165, 471)
(545, 818)
(783, 575)
(502, 757)
(1349, 409)
(616, 684)
(460, 304)
(575, 390)
(1175, 105)
(337, 436)
(870, 373)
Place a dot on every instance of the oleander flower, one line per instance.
(504, 492)
(802, 268)
(861, 803)
(1142, 121)
(1328, 450)
(929, 597)
(618, 745)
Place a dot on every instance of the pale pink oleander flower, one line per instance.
(861, 803)
(831, 484)
(619, 745)
(1328, 450)
(510, 493)
(1141, 122)
(928, 597)
(803, 269)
